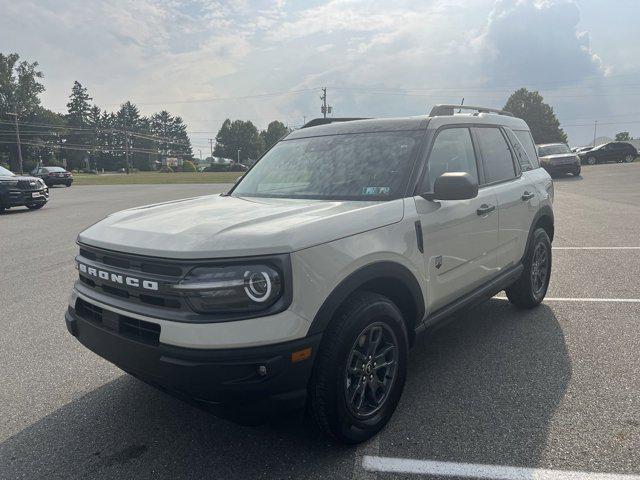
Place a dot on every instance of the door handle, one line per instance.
(528, 196)
(484, 209)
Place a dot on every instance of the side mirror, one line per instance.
(453, 186)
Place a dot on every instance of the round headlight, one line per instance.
(234, 288)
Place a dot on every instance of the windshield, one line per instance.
(6, 173)
(558, 149)
(363, 166)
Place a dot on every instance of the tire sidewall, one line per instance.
(349, 428)
(540, 235)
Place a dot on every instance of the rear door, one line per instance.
(460, 236)
(517, 198)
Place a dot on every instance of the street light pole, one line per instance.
(239, 155)
(15, 118)
(595, 129)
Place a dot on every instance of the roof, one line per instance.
(549, 144)
(422, 122)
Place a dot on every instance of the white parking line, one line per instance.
(578, 299)
(475, 470)
(595, 248)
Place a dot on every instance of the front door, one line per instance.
(460, 236)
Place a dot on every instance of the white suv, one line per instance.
(306, 283)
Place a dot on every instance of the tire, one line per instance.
(342, 407)
(629, 159)
(591, 160)
(529, 290)
(35, 207)
(576, 172)
(68, 184)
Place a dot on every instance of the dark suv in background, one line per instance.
(558, 158)
(610, 152)
(53, 176)
(18, 191)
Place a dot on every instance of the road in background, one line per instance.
(556, 387)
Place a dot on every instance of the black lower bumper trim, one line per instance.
(225, 381)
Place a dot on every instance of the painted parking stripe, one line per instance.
(578, 299)
(475, 470)
(595, 248)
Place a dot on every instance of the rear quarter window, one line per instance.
(527, 142)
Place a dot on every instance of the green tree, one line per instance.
(542, 121)
(20, 90)
(274, 132)
(238, 135)
(623, 137)
(78, 111)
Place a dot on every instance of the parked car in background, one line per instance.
(19, 191)
(53, 176)
(610, 152)
(557, 158)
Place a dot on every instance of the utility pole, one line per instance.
(239, 155)
(595, 129)
(325, 108)
(211, 145)
(126, 149)
(15, 118)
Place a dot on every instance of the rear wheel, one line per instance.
(360, 369)
(629, 159)
(67, 184)
(529, 290)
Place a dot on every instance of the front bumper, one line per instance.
(564, 168)
(230, 382)
(16, 197)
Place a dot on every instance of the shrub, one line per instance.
(187, 166)
(237, 167)
(217, 167)
(166, 169)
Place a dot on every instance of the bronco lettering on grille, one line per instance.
(118, 278)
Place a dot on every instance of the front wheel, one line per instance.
(529, 290)
(360, 369)
(591, 161)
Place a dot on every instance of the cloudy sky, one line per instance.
(267, 59)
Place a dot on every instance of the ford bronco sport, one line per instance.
(306, 283)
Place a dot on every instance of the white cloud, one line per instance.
(168, 50)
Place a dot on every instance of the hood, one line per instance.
(218, 226)
(18, 178)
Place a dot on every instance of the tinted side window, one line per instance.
(527, 142)
(452, 151)
(519, 151)
(496, 156)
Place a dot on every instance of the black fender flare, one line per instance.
(545, 211)
(378, 270)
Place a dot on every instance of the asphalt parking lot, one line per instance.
(556, 388)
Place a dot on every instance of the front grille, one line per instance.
(26, 185)
(162, 271)
(132, 328)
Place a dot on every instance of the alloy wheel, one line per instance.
(539, 269)
(371, 370)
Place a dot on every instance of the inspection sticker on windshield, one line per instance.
(375, 190)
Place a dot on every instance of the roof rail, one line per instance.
(440, 110)
(324, 121)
